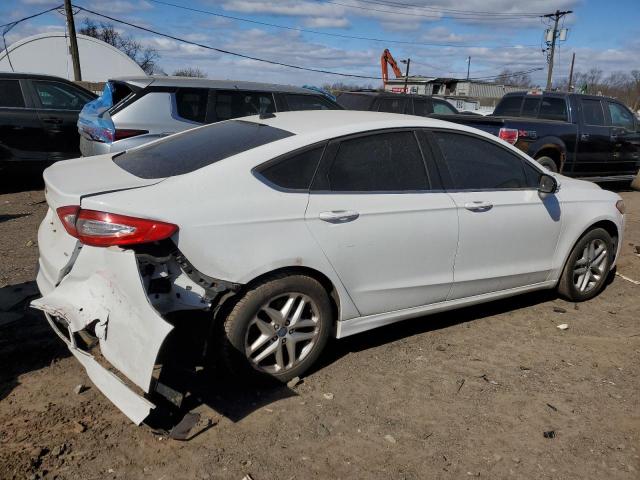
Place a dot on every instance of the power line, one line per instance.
(16, 22)
(328, 34)
(219, 50)
(452, 11)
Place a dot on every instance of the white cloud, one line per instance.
(324, 22)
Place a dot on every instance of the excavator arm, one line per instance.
(387, 59)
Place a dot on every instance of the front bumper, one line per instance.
(103, 294)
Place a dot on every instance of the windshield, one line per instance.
(197, 148)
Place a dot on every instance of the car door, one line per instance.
(21, 134)
(508, 233)
(59, 105)
(595, 150)
(383, 222)
(625, 138)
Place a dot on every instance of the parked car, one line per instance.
(411, 104)
(578, 135)
(38, 115)
(291, 229)
(133, 111)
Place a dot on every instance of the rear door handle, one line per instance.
(478, 206)
(338, 216)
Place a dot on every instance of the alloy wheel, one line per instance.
(589, 269)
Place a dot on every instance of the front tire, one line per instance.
(277, 329)
(548, 163)
(587, 267)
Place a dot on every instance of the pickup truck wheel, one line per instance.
(548, 163)
(587, 268)
(277, 329)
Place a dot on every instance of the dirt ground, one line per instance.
(467, 393)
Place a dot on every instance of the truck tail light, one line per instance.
(509, 135)
(122, 133)
(103, 229)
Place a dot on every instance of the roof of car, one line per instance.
(168, 81)
(35, 76)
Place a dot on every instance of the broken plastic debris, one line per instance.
(328, 396)
(294, 382)
(563, 326)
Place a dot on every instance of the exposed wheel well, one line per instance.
(552, 153)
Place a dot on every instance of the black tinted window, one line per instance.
(295, 172)
(421, 106)
(553, 109)
(478, 164)
(530, 106)
(197, 148)
(392, 105)
(231, 104)
(11, 94)
(192, 103)
(509, 106)
(379, 162)
(60, 96)
(355, 101)
(592, 112)
(308, 102)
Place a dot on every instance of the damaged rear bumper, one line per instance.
(104, 295)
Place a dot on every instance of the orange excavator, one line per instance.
(387, 59)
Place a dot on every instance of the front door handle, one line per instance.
(338, 216)
(584, 137)
(478, 206)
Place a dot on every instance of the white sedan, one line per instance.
(288, 229)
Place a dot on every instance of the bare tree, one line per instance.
(621, 85)
(194, 72)
(146, 57)
(509, 77)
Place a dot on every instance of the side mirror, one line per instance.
(547, 184)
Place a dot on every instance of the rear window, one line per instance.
(298, 102)
(197, 148)
(509, 106)
(11, 94)
(192, 103)
(530, 106)
(553, 108)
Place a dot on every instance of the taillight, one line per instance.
(103, 229)
(122, 133)
(509, 135)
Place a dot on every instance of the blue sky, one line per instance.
(604, 34)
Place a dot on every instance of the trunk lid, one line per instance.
(67, 182)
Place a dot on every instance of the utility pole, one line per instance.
(468, 66)
(406, 75)
(71, 27)
(573, 59)
(556, 18)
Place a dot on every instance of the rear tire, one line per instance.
(587, 267)
(277, 329)
(548, 163)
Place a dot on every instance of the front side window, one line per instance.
(58, 96)
(620, 116)
(298, 102)
(380, 162)
(592, 112)
(236, 104)
(196, 148)
(553, 108)
(11, 94)
(294, 172)
(478, 164)
(443, 108)
(191, 103)
(392, 105)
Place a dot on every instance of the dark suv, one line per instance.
(38, 115)
(410, 104)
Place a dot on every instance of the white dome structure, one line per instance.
(48, 53)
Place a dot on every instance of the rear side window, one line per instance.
(191, 103)
(530, 106)
(443, 108)
(235, 104)
(295, 172)
(421, 107)
(11, 94)
(478, 164)
(197, 148)
(392, 105)
(592, 112)
(509, 106)
(308, 102)
(378, 163)
(553, 108)
(356, 101)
